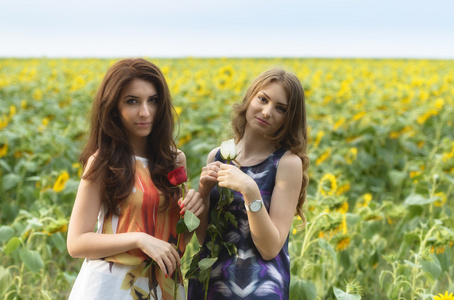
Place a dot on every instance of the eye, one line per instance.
(131, 101)
(262, 99)
(281, 109)
(153, 100)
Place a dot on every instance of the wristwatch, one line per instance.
(255, 205)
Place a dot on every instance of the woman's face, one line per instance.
(137, 108)
(267, 109)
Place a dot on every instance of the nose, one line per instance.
(266, 111)
(144, 111)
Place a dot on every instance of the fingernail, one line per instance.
(182, 212)
(181, 205)
(166, 276)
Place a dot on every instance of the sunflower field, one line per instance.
(380, 206)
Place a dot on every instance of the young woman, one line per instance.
(269, 185)
(125, 191)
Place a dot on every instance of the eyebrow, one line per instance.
(280, 103)
(135, 97)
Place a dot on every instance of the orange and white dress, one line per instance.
(125, 276)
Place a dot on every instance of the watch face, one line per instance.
(255, 206)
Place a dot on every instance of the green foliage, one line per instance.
(380, 142)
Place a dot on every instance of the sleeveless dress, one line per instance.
(125, 276)
(246, 275)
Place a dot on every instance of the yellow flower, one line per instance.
(59, 184)
(343, 209)
(4, 121)
(441, 199)
(359, 115)
(325, 155)
(294, 231)
(12, 111)
(444, 297)
(319, 137)
(45, 121)
(343, 189)
(184, 140)
(351, 155)
(3, 150)
(422, 119)
(328, 185)
(339, 123)
(38, 95)
(365, 201)
(23, 104)
(439, 103)
(178, 110)
(343, 243)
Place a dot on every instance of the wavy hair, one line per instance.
(293, 133)
(108, 142)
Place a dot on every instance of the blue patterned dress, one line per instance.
(246, 275)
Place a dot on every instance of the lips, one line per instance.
(143, 124)
(262, 121)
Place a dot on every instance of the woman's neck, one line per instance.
(254, 148)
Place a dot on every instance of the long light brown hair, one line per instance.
(293, 133)
(114, 162)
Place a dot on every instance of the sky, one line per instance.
(233, 28)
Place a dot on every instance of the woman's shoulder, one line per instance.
(212, 155)
(180, 158)
(290, 162)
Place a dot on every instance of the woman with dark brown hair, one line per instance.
(268, 179)
(125, 191)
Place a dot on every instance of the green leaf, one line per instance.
(412, 264)
(231, 247)
(325, 245)
(181, 226)
(59, 242)
(206, 263)
(341, 295)
(433, 267)
(191, 221)
(416, 199)
(5, 165)
(10, 181)
(31, 259)
(396, 177)
(12, 245)
(5, 280)
(301, 289)
(6, 233)
(231, 218)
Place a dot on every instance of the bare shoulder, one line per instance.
(290, 163)
(181, 158)
(91, 160)
(212, 155)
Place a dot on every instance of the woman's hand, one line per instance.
(208, 178)
(232, 177)
(192, 202)
(163, 253)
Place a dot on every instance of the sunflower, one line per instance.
(444, 297)
(59, 184)
(328, 185)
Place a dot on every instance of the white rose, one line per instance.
(228, 150)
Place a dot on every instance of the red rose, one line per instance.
(177, 176)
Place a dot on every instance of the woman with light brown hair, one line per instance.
(268, 180)
(125, 191)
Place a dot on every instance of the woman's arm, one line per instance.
(208, 179)
(83, 242)
(192, 200)
(269, 231)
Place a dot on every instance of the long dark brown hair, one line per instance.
(113, 155)
(293, 133)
